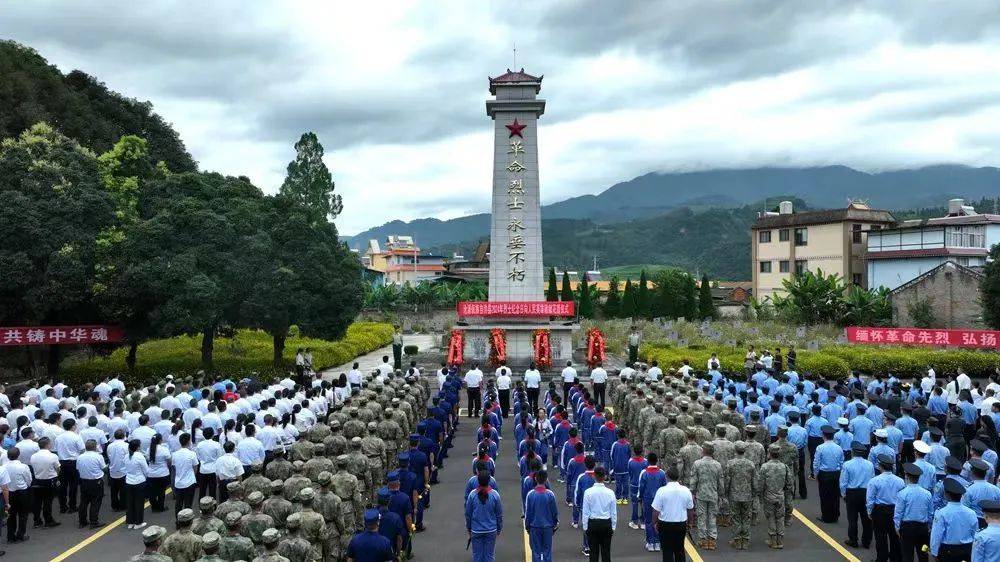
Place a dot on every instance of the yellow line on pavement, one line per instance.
(822, 534)
(527, 546)
(92, 538)
(691, 551)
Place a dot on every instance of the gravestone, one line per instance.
(682, 342)
(813, 345)
(730, 343)
(800, 332)
(672, 335)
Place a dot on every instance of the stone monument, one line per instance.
(517, 276)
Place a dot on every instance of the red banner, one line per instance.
(987, 339)
(59, 335)
(512, 308)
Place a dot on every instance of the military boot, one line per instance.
(735, 543)
(780, 542)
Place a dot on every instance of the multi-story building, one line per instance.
(834, 241)
(401, 261)
(912, 248)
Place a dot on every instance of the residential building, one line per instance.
(911, 248)
(946, 296)
(787, 243)
(402, 262)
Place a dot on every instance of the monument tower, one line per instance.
(516, 272)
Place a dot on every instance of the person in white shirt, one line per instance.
(158, 475)
(655, 372)
(117, 452)
(951, 391)
(986, 405)
(27, 445)
(964, 382)
(136, 469)
(672, 509)
(45, 466)
(90, 464)
(143, 433)
(185, 463)
(354, 376)
(250, 450)
(627, 372)
(473, 384)
(927, 383)
(713, 363)
(103, 390)
(685, 368)
(208, 451)
(385, 369)
(228, 468)
(20, 496)
(68, 446)
(568, 378)
(95, 433)
(599, 516)
(300, 365)
(599, 378)
(503, 388)
(533, 382)
(49, 404)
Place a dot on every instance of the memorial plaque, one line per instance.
(730, 343)
(672, 335)
(682, 342)
(800, 332)
(812, 345)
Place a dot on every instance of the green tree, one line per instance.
(628, 301)
(54, 207)
(586, 301)
(990, 287)
(863, 307)
(706, 306)
(309, 181)
(921, 312)
(567, 288)
(643, 302)
(811, 297)
(552, 293)
(690, 297)
(613, 302)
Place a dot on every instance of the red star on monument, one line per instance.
(515, 128)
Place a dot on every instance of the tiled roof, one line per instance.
(515, 77)
(824, 217)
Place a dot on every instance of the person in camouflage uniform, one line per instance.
(354, 426)
(671, 439)
(234, 503)
(279, 468)
(358, 465)
(651, 431)
(182, 545)
(330, 506)
(725, 449)
(319, 432)
(313, 524)
(276, 506)
(207, 521)
(687, 456)
(756, 454)
(270, 539)
(234, 546)
(152, 537)
(741, 490)
(706, 487)
(701, 433)
(788, 454)
(335, 442)
(642, 415)
(210, 544)
(391, 434)
(256, 482)
(373, 448)
(404, 424)
(776, 485)
(301, 450)
(254, 524)
(685, 419)
(345, 485)
(318, 463)
(294, 547)
(297, 481)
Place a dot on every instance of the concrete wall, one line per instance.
(953, 294)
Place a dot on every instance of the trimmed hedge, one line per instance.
(248, 351)
(839, 360)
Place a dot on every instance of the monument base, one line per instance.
(520, 351)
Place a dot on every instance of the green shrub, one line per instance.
(248, 351)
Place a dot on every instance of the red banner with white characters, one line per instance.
(516, 308)
(986, 339)
(59, 335)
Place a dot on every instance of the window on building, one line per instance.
(765, 267)
(876, 227)
(967, 236)
(801, 266)
(963, 261)
(764, 236)
(801, 236)
(856, 279)
(783, 235)
(856, 233)
(783, 266)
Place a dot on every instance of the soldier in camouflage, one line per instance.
(207, 520)
(210, 544)
(279, 468)
(318, 463)
(270, 539)
(354, 426)
(254, 524)
(391, 434)
(152, 537)
(706, 487)
(234, 503)
(301, 450)
(671, 439)
(276, 506)
(182, 545)
(297, 481)
(373, 448)
(313, 523)
(788, 454)
(234, 546)
(358, 466)
(293, 546)
(776, 485)
(687, 456)
(256, 482)
(741, 491)
(330, 506)
(701, 433)
(345, 485)
(335, 442)
(755, 453)
(724, 449)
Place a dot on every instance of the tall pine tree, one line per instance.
(690, 298)
(628, 301)
(706, 307)
(613, 302)
(552, 293)
(642, 301)
(990, 287)
(586, 302)
(309, 181)
(567, 289)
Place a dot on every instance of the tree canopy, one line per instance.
(309, 181)
(990, 287)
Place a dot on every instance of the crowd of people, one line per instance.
(296, 469)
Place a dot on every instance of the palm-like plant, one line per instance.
(811, 297)
(867, 307)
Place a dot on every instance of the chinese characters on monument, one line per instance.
(515, 203)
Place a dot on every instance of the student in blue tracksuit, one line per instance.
(636, 465)
(529, 482)
(473, 483)
(583, 483)
(541, 518)
(618, 457)
(483, 520)
(651, 479)
(574, 468)
(607, 434)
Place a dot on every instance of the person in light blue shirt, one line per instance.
(980, 490)
(954, 527)
(881, 447)
(875, 384)
(938, 452)
(854, 479)
(862, 427)
(814, 432)
(928, 472)
(774, 420)
(797, 436)
(827, 463)
(832, 411)
(894, 436)
(978, 450)
(912, 514)
(876, 414)
(843, 437)
(937, 403)
(907, 425)
(986, 545)
(880, 502)
(968, 410)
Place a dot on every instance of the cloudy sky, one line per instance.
(395, 90)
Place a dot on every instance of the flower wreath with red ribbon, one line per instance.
(595, 347)
(456, 345)
(543, 349)
(498, 346)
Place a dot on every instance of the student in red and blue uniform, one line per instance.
(636, 465)
(606, 437)
(491, 447)
(618, 459)
(474, 481)
(596, 423)
(586, 414)
(583, 483)
(483, 520)
(529, 482)
(483, 457)
(487, 430)
(524, 464)
(561, 432)
(568, 452)
(574, 468)
(541, 518)
(650, 480)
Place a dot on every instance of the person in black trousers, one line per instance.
(600, 531)
(91, 466)
(673, 532)
(913, 534)
(20, 497)
(136, 470)
(855, 503)
(886, 539)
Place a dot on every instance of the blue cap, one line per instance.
(403, 458)
(392, 476)
(384, 493)
(415, 436)
(371, 516)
